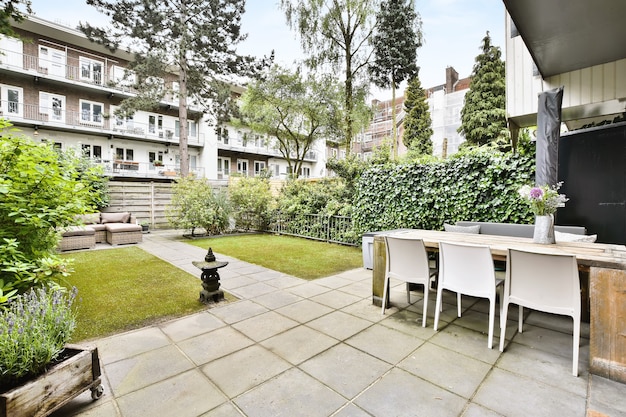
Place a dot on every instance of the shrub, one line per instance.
(196, 205)
(34, 328)
(40, 191)
(477, 186)
(251, 200)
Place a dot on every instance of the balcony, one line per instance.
(103, 79)
(239, 146)
(66, 120)
(134, 169)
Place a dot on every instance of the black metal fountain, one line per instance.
(210, 277)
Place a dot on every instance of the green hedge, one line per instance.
(476, 186)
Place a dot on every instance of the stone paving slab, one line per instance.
(291, 347)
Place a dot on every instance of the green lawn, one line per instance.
(303, 258)
(127, 288)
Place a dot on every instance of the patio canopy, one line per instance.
(567, 35)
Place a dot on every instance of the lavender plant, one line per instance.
(34, 328)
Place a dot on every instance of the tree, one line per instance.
(194, 38)
(251, 200)
(11, 9)
(417, 124)
(334, 34)
(395, 42)
(483, 117)
(295, 110)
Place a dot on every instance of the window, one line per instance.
(123, 77)
(53, 105)
(51, 61)
(259, 167)
(223, 166)
(12, 99)
(242, 167)
(155, 125)
(305, 172)
(333, 153)
(90, 70)
(124, 154)
(92, 151)
(91, 112)
(222, 135)
(193, 129)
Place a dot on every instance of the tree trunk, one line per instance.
(394, 128)
(183, 133)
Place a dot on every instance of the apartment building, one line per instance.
(445, 102)
(57, 86)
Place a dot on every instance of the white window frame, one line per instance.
(123, 77)
(53, 105)
(87, 70)
(13, 108)
(223, 166)
(259, 166)
(242, 167)
(91, 116)
(46, 61)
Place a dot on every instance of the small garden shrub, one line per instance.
(34, 328)
(195, 205)
(251, 200)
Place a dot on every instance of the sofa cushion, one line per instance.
(122, 227)
(571, 237)
(462, 229)
(92, 218)
(114, 217)
(98, 227)
(78, 231)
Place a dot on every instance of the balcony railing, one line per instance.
(251, 147)
(90, 121)
(125, 168)
(102, 78)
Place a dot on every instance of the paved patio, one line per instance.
(291, 347)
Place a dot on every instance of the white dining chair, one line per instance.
(407, 260)
(543, 282)
(468, 269)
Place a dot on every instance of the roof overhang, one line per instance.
(568, 35)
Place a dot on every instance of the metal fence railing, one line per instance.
(335, 229)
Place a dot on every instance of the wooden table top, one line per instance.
(588, 254)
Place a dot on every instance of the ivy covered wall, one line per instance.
(476, 186)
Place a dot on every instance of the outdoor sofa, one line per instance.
(115, 228)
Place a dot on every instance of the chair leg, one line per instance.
(576, 345)
(426, 292)
(458, 304)
(408, 294)
(505, 311)
(520, 319)
(438, 306)
(385, 289)
(492, 319)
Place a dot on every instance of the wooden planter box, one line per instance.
(61, 383)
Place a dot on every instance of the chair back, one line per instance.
(467, 269)
(407, 258)
(543, 282)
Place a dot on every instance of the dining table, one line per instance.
(602, 268)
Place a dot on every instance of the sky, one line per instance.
(453, 31)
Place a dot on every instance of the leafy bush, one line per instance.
(34, 328)
(41, 190)
(475, 186)
(196, 205)
(327, 196)
(251, 200)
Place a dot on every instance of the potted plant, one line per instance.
(145, 227)
(39, 371)
(157, 163)
(543, 201)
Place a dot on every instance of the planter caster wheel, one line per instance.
(97, 392)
